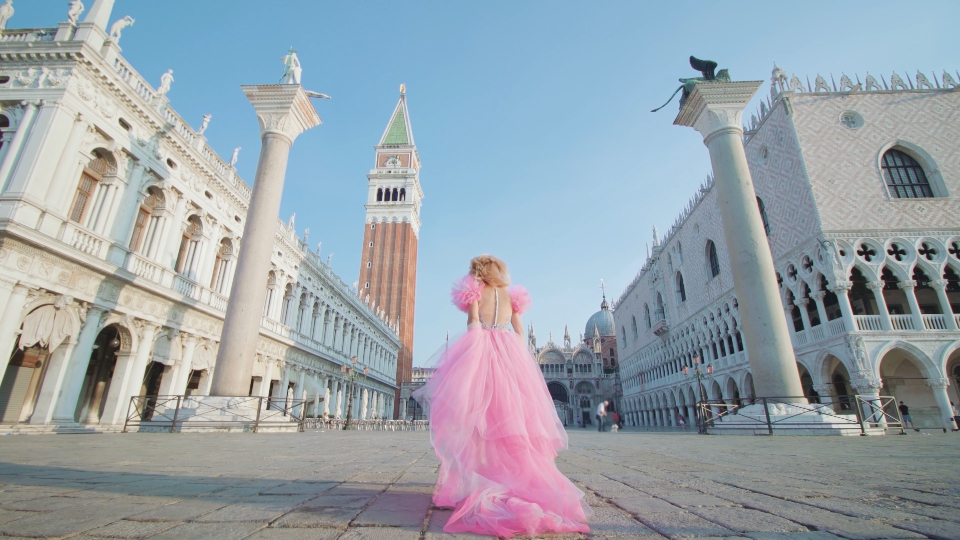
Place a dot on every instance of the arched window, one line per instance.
(646, 315)
(660, 314)
(92, 175)
(222, 266)
(394, 194)
(905, 177)
(635, 333)
(379, 194)
(623, 332)
(681, 290)
(271, 292)
(403, 194)
(679, 253)
(713, 262)
(187, 256)
(763, 216)
(144, 226)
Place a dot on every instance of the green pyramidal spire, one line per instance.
(398, 130)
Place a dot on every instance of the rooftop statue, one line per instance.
(291, 68)
(73, 14)
(6, 11)
(706, 68)
(118, 27)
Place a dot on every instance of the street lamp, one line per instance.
(700, 374)
(350, 373)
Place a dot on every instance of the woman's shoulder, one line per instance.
(519, 298)
(466, 291)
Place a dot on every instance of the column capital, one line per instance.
(282, 109)
(939, 284)
(907, 284)
(714, 107)
(875, 285)
(868, 383)
(818, 295)
(938, 382)
(841, 286)
(801, 301)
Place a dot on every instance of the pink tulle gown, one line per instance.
(495, 429)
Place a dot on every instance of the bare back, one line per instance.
(495, 308)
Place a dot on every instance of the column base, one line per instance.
(219, 414)
(790, 419)
(62, 428)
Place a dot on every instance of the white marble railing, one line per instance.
(186, 287)
(934, 322)
(902, 322)
(86, 241)
(144, 268)
(836, 327)
(868, 322)
(217, 301)
(20, 35)
(131, 77)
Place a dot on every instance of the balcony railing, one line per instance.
(868, 322)
(819, 332)
(934, 321)
(902, 322)
(144, 268)
(86, 241)
(186, 287)
(21, 35)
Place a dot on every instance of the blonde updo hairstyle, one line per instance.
(490, 270)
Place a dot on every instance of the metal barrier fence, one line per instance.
(246, 413)
(839, 414)
(367, 425)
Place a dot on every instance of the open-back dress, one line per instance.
(495, 429)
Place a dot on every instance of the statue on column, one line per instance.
(291, 68)
(118, 27)
(73, 14)
(706, 68)
(6, 11)
(165, 81)
(204, 124)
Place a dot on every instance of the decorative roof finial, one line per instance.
(403, 89)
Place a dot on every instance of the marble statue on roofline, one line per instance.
(706, 68)
(73, 14)
(206, 122)
(236, 154)
(6, 11)
(118, 27)
(291, 68)
(165, 81)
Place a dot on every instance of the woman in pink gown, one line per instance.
(492, 422)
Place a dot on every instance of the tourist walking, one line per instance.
(602, 414)
(681, 421)
(905, 414)
(493, 423)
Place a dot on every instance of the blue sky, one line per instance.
(531, 118)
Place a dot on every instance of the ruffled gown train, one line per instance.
(496, 432)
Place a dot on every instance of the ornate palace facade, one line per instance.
(119, 228)
(858, 187)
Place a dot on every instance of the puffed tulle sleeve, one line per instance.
(519, 298)
(466, 291)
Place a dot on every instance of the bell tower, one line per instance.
(388, 264)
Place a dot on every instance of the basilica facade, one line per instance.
(857, 183)
(119, 230)
(580, 376)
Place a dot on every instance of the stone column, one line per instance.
(10, 324)
(299, 392)
(186, 364)
(846, 312)
(804, 314)
(940, 285)
(714, 109)
(339, 409)
(363, 404)
(128, 376)
(869, 391)
(264, 390)
(66, 402)
(908, 287)
(13, 153)
(939, 388)
(821, 309)
(877, 288)
(326, 397)
(284, 112)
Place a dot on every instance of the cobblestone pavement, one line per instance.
(375, 485)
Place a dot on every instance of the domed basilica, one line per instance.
(580, 376)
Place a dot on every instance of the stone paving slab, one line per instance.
(318, 485)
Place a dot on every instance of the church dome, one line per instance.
(602, 321)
